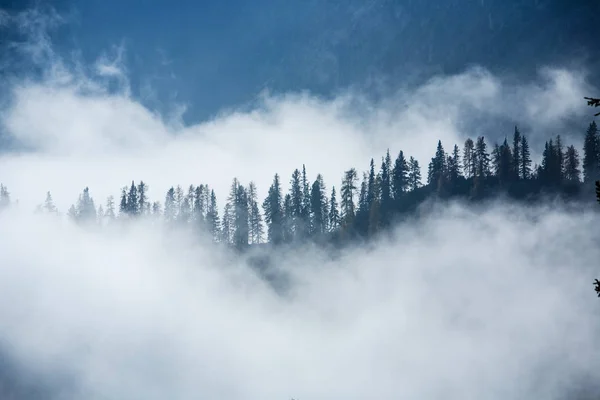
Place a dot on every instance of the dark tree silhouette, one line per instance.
(593, 102)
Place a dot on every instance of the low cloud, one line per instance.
(502, 308)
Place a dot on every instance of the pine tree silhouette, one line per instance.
(594, 102)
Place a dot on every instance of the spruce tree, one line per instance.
(86, 210)
(591, 156)
(572, 172)
(255, 217)
(516, 152)
(288, 219)
(241, 219)
(318, 224)
(296, 214)
(123, 206)
(272, 207)
(334, 213)
(212, 217)
(386, 195)
(348, 191)
(399, 177)
(143, 203)
(525, 159)
(109, 211)
(414, 174)
(469, 159)
(49, 206)
(170, 212)
(133, 201)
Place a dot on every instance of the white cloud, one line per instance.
(503, 308)
(493, 303)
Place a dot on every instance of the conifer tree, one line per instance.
(296, 213)
(143, 203)
(325, 202)
(212, 217)
(591, 156)
(272, 207)
(287, 224)
(572, 172)
(371, 185)
(170, 206)
(255, 217)
(133, 201)
(482, 158)
(399, 176)
(240, 219)
(334, 214)
(227, 224)
(123, 206)
(86, 210)
(437, 166)
(414, 174)
(348, 191)
(386, 195)
(516, 152)
(469, 159)
(305, 213)
(49, 206)
(525, 159)
(318, 224)
(109, 212)
(199, 206)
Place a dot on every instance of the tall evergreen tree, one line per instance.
(143, 203)
(572, 172)
(525, 159)
(348, 191)
(399, 177)
(227, 224)
(516, 153)
(437, 166)
(86, 210)
(109, 212)
(414, 174)
(591, 154)
(272, 207)
(305, 213)
(49, 206)
(483, 158)
(386, 194)
(170, 206)
(287, 223)
(255, 217)
(503, 163)
(334, 213)
(469, 159)
(212, 217)
(133, 201)
(123, 206)
(318, 222)
(241, 219)
(371, 184)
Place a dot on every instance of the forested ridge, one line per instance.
(364, 204)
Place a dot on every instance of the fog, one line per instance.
(495, 302)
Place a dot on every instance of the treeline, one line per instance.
(364, 205)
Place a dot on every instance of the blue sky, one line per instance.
(212, 55)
